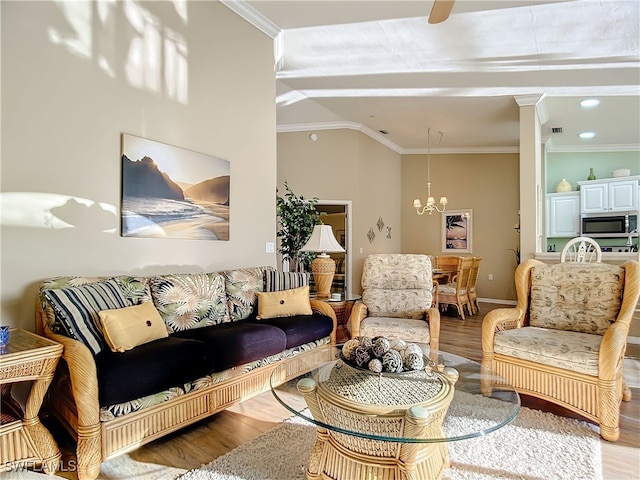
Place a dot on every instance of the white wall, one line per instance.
(73, 79)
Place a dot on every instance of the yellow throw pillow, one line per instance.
(284, 303)
(126, 328)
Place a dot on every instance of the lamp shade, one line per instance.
(322, 240)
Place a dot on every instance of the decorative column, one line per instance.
(532, 194)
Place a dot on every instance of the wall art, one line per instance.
(170, 192)
(371, 235)
(457, 231)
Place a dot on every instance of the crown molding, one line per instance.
(251, 15)
(461, 150)
(307, 127)
(530, 99)
(592, 148)
(534, 100)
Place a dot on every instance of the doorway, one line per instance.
(337, 213)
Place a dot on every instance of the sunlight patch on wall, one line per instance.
(156, 56)
(181, 9)
(54, 211)
(176, 68)
(78, 39)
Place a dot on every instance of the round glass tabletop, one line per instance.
(453, 398)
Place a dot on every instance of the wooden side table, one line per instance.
(342, 309)
(24, 441)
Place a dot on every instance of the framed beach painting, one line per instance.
(457, 231)
(170, 192)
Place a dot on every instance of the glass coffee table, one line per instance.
(390, 425)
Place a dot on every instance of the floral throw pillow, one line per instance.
(190, 300)
(242, 285)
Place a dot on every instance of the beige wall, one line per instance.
(485, 183)
(66, 98)
(347, 165)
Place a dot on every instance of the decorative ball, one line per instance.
(361, 356)
(380, 346)
(365, 341)
(348, 348)
(375, 365)
(392, 361)
(412, 348)
(398, 344)
(413, 361)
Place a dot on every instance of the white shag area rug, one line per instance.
(535, 446)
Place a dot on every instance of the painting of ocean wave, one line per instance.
(169, 192)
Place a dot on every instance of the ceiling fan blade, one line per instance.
(440, 10)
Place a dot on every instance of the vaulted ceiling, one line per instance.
(379, 66)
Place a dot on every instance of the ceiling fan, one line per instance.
(440, 10)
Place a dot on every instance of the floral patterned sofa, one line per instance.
(215, 352)
(565, 340)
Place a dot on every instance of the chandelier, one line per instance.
(431, 202)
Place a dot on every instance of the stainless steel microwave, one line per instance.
(609, 226)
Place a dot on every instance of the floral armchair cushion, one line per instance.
(397, 285)
(190, 300)
(580, 297)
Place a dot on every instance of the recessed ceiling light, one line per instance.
(589, 103)
(587, 135)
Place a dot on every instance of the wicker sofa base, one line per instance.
(129, 432)
(590, 397)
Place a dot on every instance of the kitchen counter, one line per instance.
(609, 257)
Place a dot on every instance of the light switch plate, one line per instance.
(270, 247)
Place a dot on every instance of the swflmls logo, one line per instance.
(31, 465)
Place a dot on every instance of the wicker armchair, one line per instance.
(565, 340)
(397, 300)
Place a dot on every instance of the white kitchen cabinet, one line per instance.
(611, 195)
(623, 196)
(563, 215)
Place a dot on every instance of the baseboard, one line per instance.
(497, 300)
(633, 340)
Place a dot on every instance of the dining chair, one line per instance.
(473, 280)
(456, 292)
(581, 249)
(446, 267)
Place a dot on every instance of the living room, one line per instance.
(77, 76)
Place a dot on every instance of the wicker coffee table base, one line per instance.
(332, 460)
(340, 456)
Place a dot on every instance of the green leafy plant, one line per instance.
(516, 253)
(296, 218)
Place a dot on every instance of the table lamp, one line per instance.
(323, 267)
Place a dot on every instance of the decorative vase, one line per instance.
(592, 176)
(564, 186)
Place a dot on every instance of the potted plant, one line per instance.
(296, 218)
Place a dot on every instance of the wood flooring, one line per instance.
(200, 443)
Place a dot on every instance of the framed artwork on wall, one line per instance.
(170, 192)
(457, 231)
